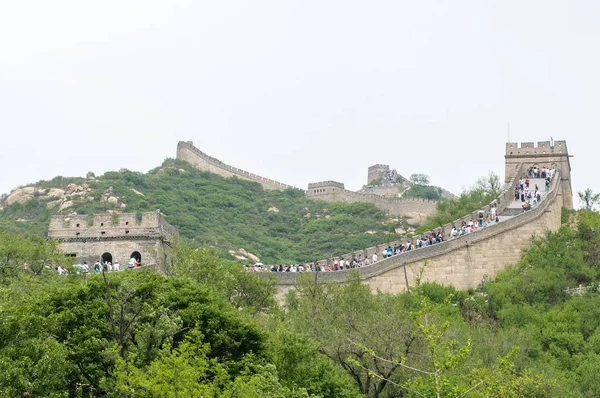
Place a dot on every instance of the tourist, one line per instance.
(374, 258)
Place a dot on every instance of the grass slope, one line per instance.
(227, 213)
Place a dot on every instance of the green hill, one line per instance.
(226, 213)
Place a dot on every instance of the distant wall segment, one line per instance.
(200, 160)
(333, 191)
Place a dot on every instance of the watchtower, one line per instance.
(114, 238)
(324, 188)
(376, 172)
(552, 154)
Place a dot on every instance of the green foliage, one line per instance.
(225, 213)
(423, 191)
(588, 199)
(27, 254)
(448, 210)
(376, 181)
(208, 328)
(419, 179)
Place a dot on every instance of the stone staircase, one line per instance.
(515, 207)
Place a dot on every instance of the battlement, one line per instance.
(542, 147)
(322, 184)
(545, 154)
(200, 160)
(379, 167)
(111, 226)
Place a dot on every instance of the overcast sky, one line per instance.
(296, 91)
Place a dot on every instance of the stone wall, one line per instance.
(462, 262)
(152, 250)
(376, 172)
(544, 154)
(394, 206)
(198, 159)
(389, 191)
(86, 238)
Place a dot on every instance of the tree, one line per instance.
(419, 179)
(588, 200)
(490, 183)
(346, 319)
(27, 254)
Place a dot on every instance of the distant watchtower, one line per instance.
(545, 154)
(376, 172)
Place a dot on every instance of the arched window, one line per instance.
(106, 257)
(137, 256)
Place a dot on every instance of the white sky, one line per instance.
(296, 91)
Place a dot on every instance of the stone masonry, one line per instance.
(415, 208)
(188, 152)
(465, 261)
(552, 154)
(333, 191)
(89, 239)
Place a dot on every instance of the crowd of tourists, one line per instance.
(528, 195)
(482, 221)
(531, 195)
(98, 267)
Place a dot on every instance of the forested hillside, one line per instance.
(211, 329)
(209, 210)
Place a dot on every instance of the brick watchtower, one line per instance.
(552, 154)
(376, 172)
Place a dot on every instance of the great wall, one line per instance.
(462, 262)
(333, 191)
(466, 261)
(108, 237)
(329, 191)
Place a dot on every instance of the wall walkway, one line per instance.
(200, 160)
(462, 262)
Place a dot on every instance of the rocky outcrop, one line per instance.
(59, 198)
(243, 255)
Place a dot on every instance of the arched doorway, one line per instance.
(137, 256)
(106, 257)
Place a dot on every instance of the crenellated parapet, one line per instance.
(379, 167)
(376, 172)
(530, 148)
(200, 160)
(552, 154)
(333, 191)
(110, 226)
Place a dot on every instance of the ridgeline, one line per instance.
(225, 213)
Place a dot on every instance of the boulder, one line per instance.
(71, 188)
(112, 200)
(20, 195)
(273, 210)
(253, 257)
(90, 175)
(65, 205)
(55, 193)
(137, 192)
(54, 203)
